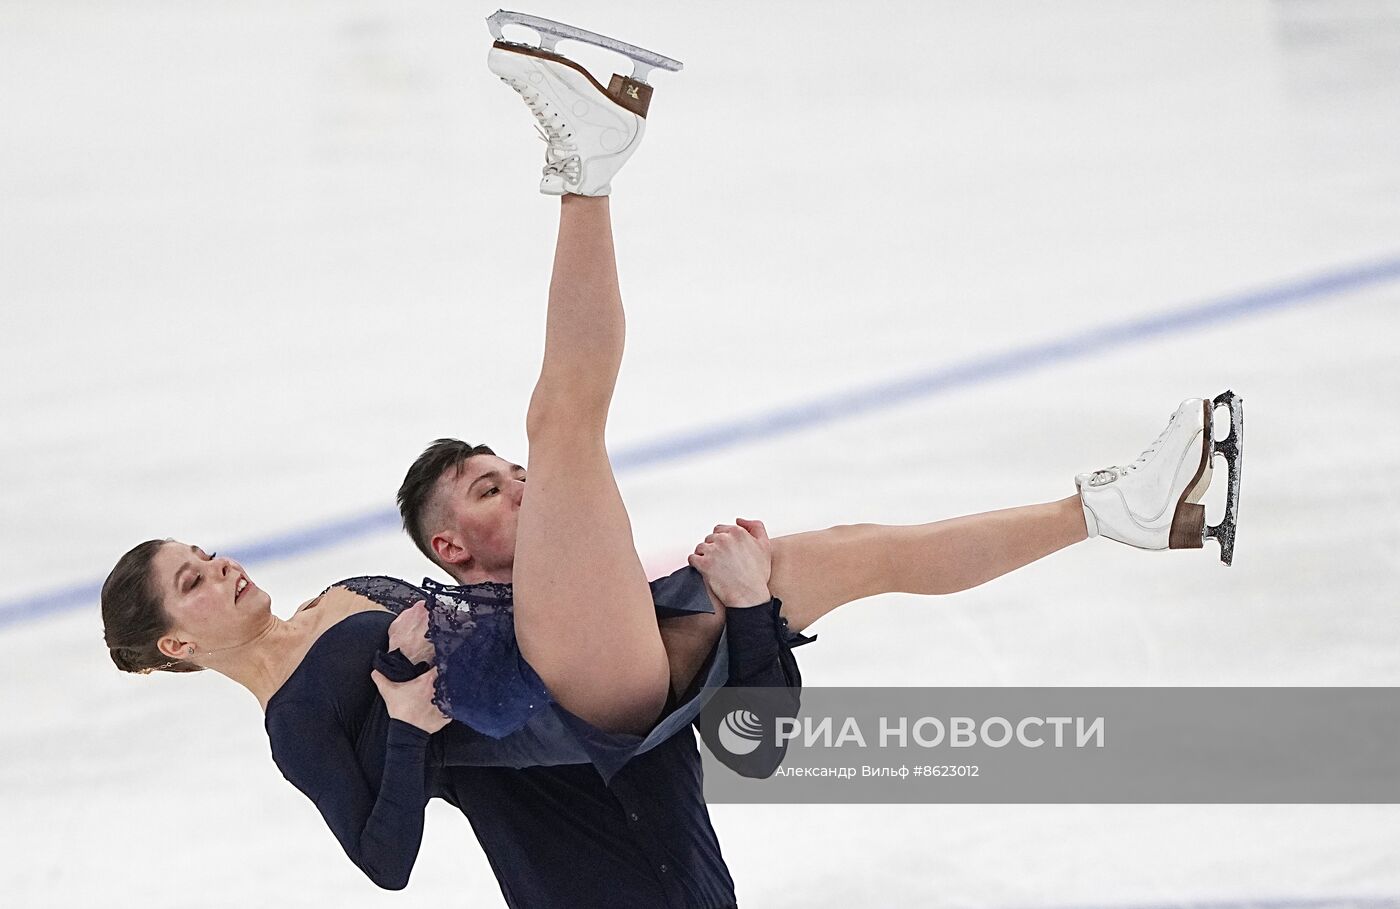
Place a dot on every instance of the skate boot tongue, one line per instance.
(562, 165)
(1111, 474)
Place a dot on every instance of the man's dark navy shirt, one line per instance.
(554, 835)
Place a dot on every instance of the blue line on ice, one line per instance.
(818, 411)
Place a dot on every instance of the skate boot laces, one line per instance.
(1109, 474)
(561, 155)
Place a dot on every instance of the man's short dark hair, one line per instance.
(416, 493)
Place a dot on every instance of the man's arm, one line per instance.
(764, 679)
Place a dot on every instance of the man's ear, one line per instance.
(449, 549)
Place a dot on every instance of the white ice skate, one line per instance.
(1154, 502)
(591, 131)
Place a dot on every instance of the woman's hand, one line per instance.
(412, 701)
(736, 562)
(409, 633)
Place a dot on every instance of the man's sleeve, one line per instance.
(764, 684)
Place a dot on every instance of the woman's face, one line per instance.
(210, 600)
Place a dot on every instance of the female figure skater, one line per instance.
(582, 620)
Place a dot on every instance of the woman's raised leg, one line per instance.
(815, 572)
(1152, 503)
(583, 611)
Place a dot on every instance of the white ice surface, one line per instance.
(254, 255)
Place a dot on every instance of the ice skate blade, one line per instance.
(1231, 448)
(551, 33)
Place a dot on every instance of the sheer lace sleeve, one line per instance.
(483, 680)
(391, 593)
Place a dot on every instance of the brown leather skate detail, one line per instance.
(631, 94)
(621, 97)
(1189, 522)
(1190, 493)
(1188, 527)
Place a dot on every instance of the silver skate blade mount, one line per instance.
(551, 33)
(1231, 448)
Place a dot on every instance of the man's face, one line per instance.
(480, 510)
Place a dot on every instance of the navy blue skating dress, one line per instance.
(557, 836)
(485, 682)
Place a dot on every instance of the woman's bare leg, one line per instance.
(583, 612)
(689, 641)
(815, 572)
